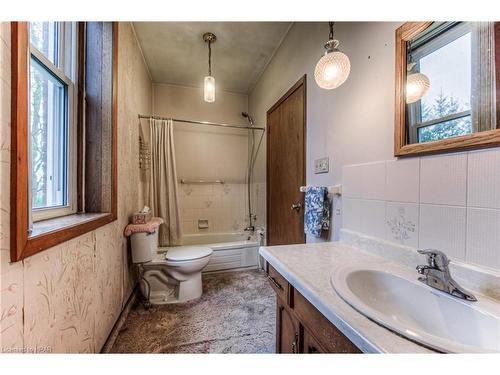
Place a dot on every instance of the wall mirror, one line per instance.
(447, 87)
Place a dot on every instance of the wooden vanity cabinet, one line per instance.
(300, 327)
(287, 330)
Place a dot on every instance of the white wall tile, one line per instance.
(219, 204)
(401, 220)
(443, 228)
(372, 218)
(352, 214)
(402, 180)
(351, 181)
(484, 179)
(483, 237)
(443, 179)
(366, 181)
(373, 186)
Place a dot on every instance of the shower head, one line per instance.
(248, 117)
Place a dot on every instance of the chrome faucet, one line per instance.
(436, 274)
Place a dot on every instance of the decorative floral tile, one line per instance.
(401, 223)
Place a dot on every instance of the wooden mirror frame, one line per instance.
(490, 138)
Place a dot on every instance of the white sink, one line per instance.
(393, 297)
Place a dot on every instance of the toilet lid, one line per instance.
(187, 253)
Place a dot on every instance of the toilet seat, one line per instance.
(187, 253)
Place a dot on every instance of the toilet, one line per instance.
(173, 273)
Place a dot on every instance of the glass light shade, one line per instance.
(417, 85)
(332, 70)
(209, 89)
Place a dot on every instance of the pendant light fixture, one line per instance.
(334, 67)
(417, 84)
(209, 83)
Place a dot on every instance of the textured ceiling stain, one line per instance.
(176, 53)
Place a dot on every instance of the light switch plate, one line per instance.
(321, 165)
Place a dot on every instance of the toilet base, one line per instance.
(190, 289)
(166, 290)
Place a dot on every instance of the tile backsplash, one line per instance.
(450, 202)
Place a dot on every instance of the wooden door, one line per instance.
(287, 330)
(286, 127)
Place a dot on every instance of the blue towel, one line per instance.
(317, 211)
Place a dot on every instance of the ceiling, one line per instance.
(176, 53)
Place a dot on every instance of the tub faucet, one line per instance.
(436, 274)
(250, 228)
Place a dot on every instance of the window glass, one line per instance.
(44, 36)
(444, 130)
(49, 128)
(449, 71)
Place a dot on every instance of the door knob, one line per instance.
(296, 206)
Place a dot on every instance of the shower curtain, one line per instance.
(163, 195)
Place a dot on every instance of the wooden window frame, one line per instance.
(402, 148)
(21, 244)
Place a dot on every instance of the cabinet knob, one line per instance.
(296, 206)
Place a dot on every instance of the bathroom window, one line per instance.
(64, 129)
(443, 54)
(447, 87)
(52, 119)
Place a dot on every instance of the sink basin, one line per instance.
(393, 297)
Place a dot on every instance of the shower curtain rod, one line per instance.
(203, 123)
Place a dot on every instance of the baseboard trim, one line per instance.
(110, 341)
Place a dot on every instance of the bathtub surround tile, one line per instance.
(223, 226)
(223, 206)
(443, 179)
(483, 177)
(402, 180)
(188, 226)
(483, 237)
(443, 228)
(401, 221)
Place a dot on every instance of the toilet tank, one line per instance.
(144, 246)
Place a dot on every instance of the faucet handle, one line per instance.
(435, 258)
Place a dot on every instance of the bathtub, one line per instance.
(230, 250)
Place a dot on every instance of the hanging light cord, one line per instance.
(331, 30)
(209, 58)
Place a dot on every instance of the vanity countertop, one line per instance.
(308, 267)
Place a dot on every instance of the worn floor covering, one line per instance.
(236, 314)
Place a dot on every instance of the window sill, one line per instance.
(51, 232)
(48, 226)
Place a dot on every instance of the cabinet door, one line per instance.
(287, 330)
(311, 345)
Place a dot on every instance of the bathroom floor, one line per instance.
(235, 314)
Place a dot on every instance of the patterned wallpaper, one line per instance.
(67, 299)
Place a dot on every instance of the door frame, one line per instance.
(300, 84)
